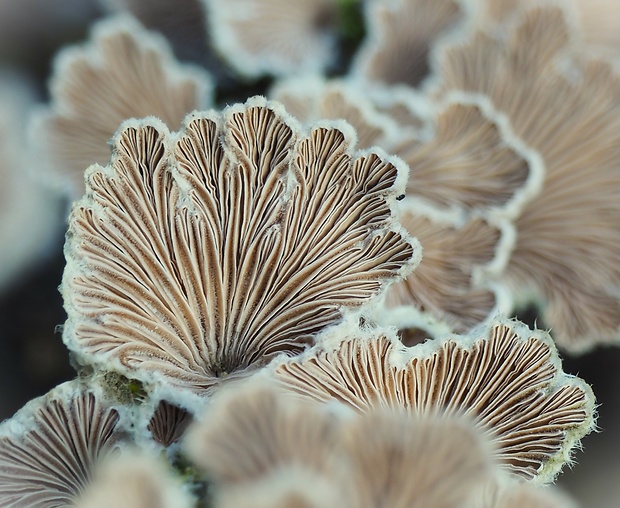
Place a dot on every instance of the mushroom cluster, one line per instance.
(300, 239)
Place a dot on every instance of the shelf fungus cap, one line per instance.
(451, 289)
(398, 459)
(568, 235)
(472, 161)
(462, 152)
(49, 448)
(260, 447)
(596, 23)
(400, 36)
(134, 480)
(505, 377)
(199, 256)
(257, 441)
(275, 36)
(253, 430)
(168, 423)
(123, 71)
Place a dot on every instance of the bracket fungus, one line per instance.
(167, 423)
(49, 448)
(461, 150)
(449, 290)
(596, 21)
(199, 256)
(507, 378)
(123, 72)
(256, 442)
(568, 236)
(397, 460)
(275, 36)
(467, 179)
(400, 35)
(472, 161)
(250, 430)
(134, 480)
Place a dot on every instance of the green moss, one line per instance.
(351, 20)
(193, 477)
(123, 389)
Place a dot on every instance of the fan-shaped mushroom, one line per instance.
(200, 256)
(400, 35)
(568, 236)
(507, 378)
(275, 36)
(123, 72)
(49, 448)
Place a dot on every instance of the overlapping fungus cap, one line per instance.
(313, 98)
(469, 160)
(597, 20)
(167, 423)
(182, 22)
(505, 377)
(505, 494)
(199, 256)
(29, 213)
(397, 460)
(472, 161)
(49, 448)
(467, 179)
(251, 430)
(568, 236)
(134, 480)
(400, 35)
(274, 36)
(449, 290)
(256, 441)
(123, 72)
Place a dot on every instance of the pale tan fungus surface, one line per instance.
(568, 236)
(400, 35)
(507, 378)
(122, 72)
(243, 235)
(49, 448)
(275, 36)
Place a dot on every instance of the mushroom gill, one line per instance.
(200, 256)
